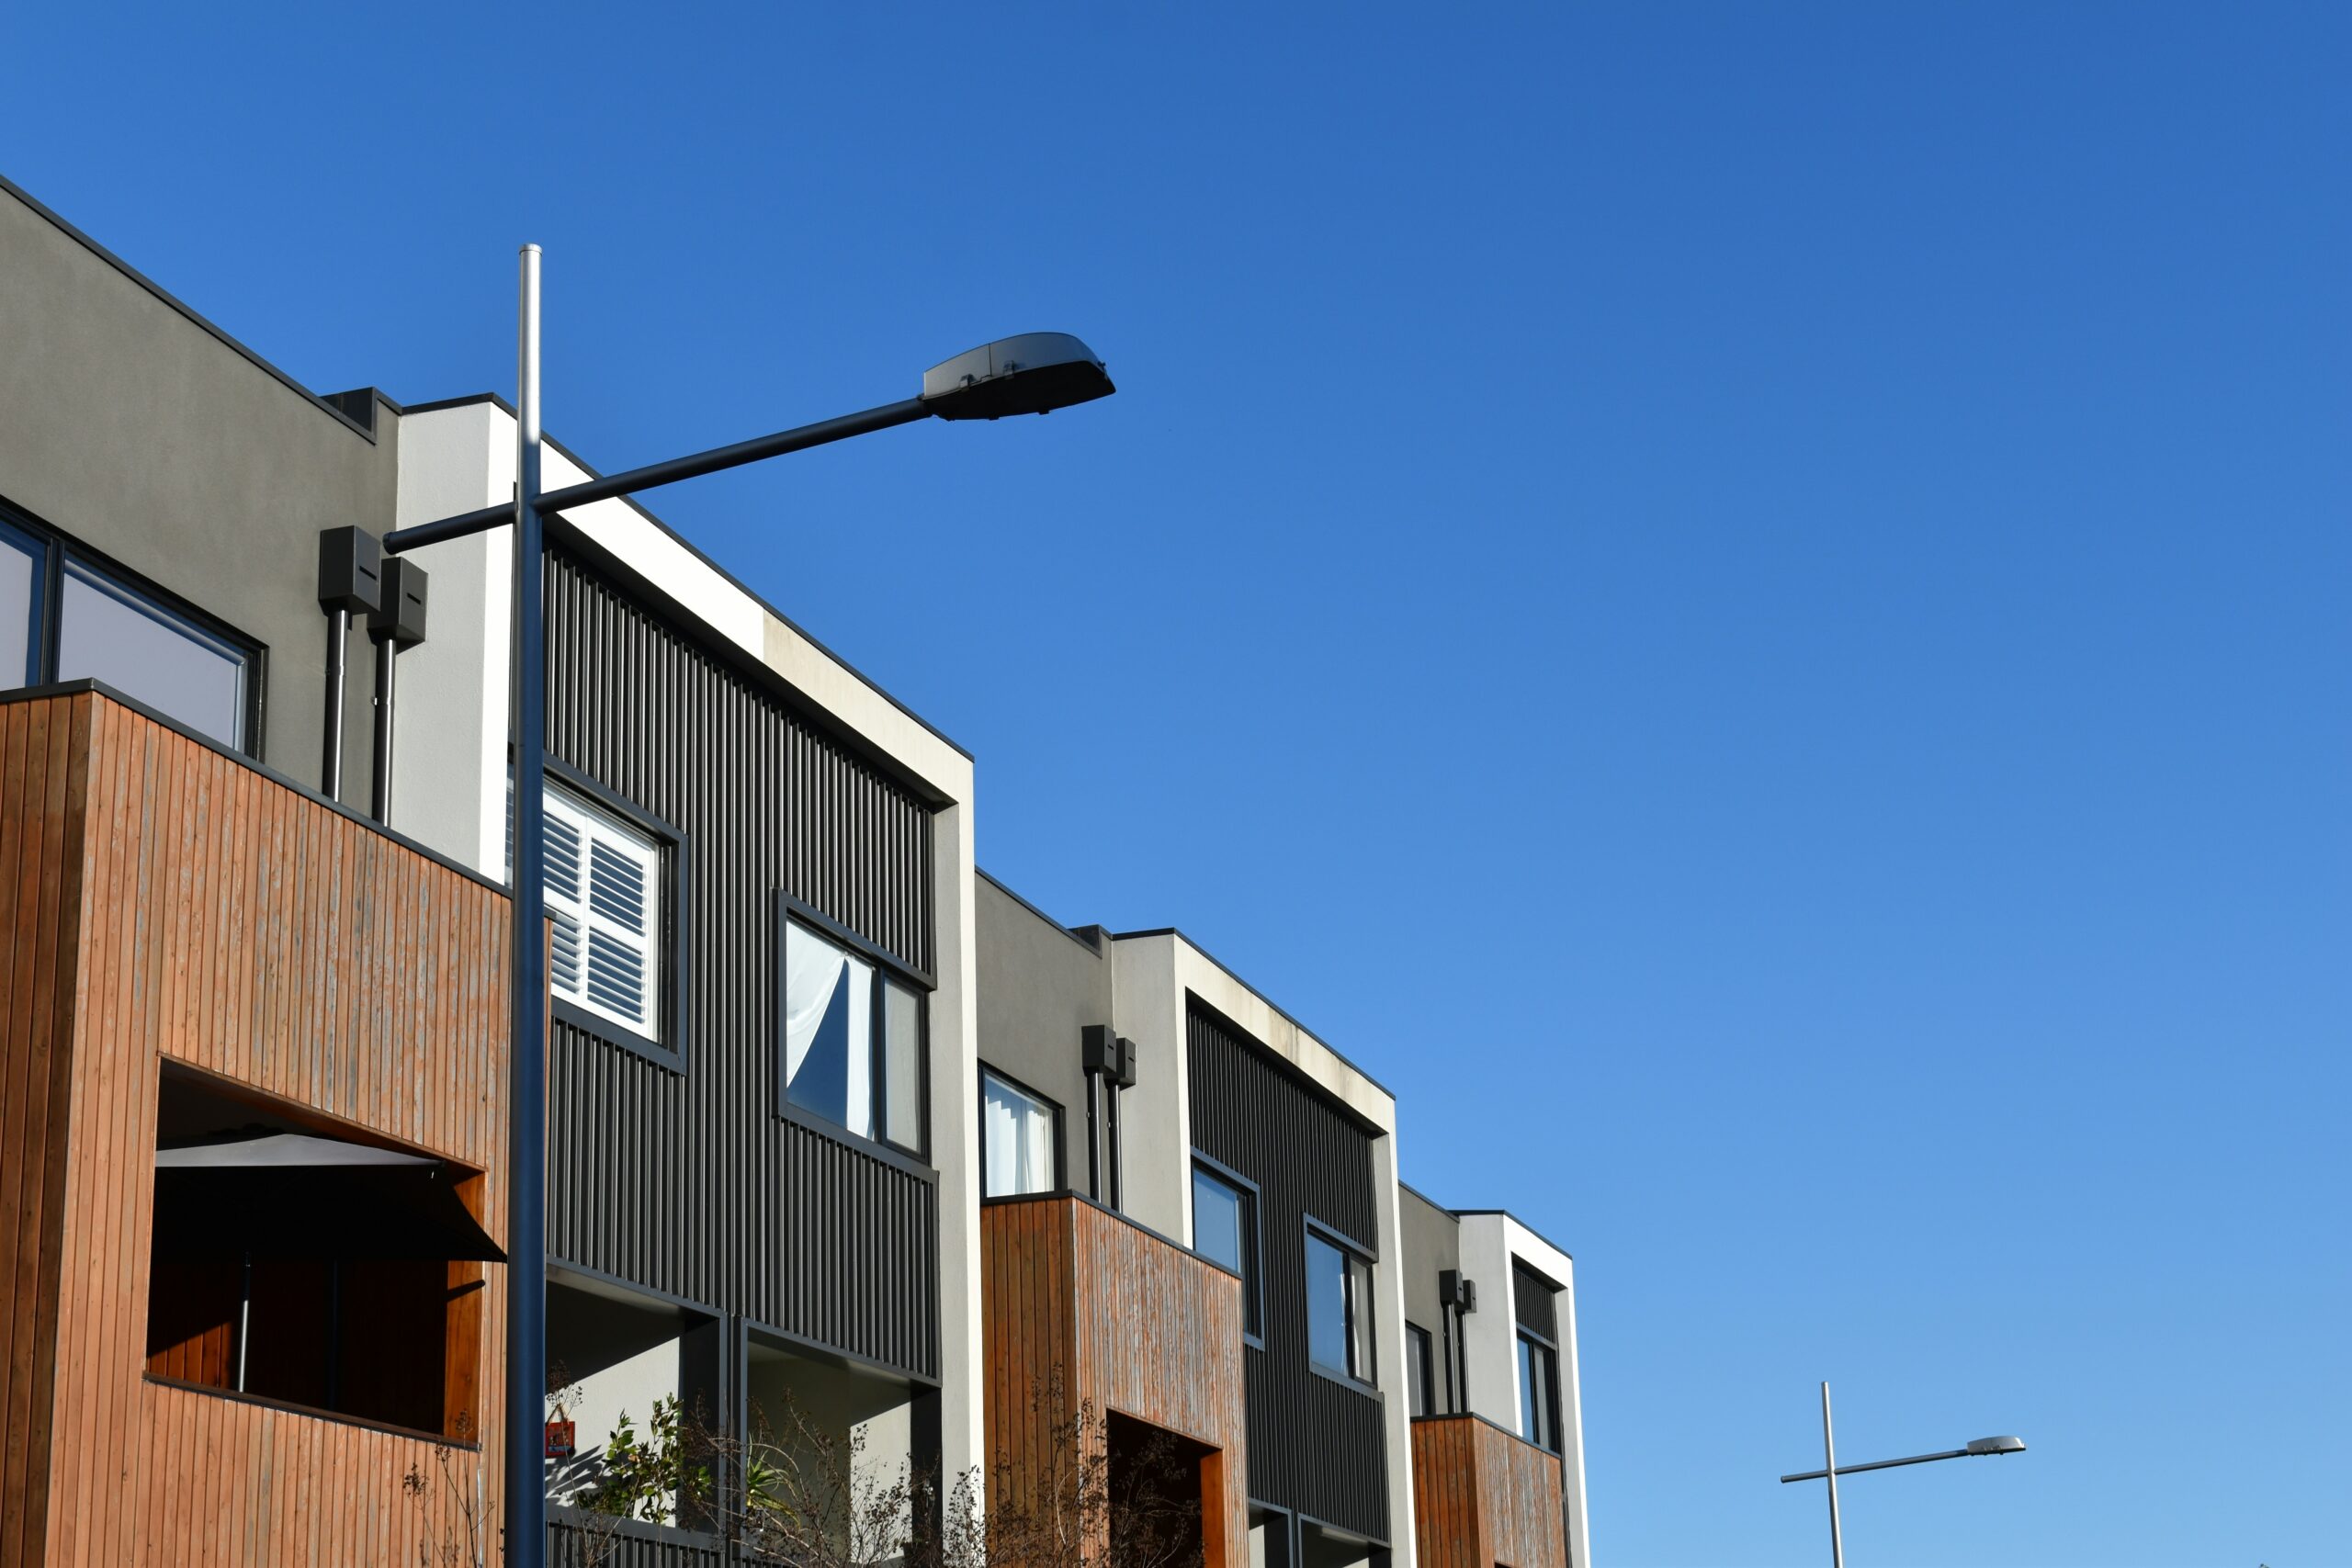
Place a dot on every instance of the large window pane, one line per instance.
(21, 560)
(1327, 1305)
(1539, 1395)
(902, 1065)
(1016, 1138)
(1225, 1227)
(828, 1030)
(106, 633)
(1422, 1383)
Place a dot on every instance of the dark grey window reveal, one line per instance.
(1225, 1230)
(1019, 1139)
(63, 618)
(1539, 1392)
(852, 1039)
(1338, 1308)
(1419, 1371)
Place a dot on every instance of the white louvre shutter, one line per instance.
(604, 889)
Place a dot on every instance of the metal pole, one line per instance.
(526, 1340)
(1829, 1462)
(388, 649)
(331, 751)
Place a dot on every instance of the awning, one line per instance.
(294, 1196)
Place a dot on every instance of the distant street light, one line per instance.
(1977, 1447)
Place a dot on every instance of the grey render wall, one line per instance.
(133, 429)
(1039, 986)
(1432, 1240)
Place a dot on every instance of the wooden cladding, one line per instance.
(169, 904)
(1082, 1308)
(1483, 1497)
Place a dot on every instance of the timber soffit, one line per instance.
(166, 296)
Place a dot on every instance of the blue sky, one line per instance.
(1748, 605)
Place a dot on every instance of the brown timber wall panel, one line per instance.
(687, 1180)
(1079, 1306)
(1482, 1496)
(174, 903)
(1316, 1445)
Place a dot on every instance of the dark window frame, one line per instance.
(54, 547)
(672, 949)
(886, 968)
(1061, 1156)
(1547, 1437)
(1253, 1276)
(1368, 1380)
(1420, 1369)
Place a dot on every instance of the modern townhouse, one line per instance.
(762, 1102)
(253, 1047)
(845, 1139)
(1490, 1328)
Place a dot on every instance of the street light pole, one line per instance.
(1829, 1464)
(1831, 1469)
(527, 1160)
(1034, 372)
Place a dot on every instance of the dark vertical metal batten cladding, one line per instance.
(683, 1178)
(1532, 1303)
(1316, 1446)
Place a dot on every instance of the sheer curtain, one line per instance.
(1017, 1135)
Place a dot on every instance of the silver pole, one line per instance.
(527, 1305)
(1829, 1464)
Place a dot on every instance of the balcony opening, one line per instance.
(1157, 1480)
(628, 1371)
(1325, 1546)
(839, 1455)
(312, 1264)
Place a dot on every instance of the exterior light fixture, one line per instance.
(1034, 372)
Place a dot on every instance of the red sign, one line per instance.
(561, 1443)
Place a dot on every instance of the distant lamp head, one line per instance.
(1996, 1445)
(1035, 373)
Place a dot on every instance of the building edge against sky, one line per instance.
(813, 1073)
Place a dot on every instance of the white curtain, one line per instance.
(815, 971)
(1017, 1130)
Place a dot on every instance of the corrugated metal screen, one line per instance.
(689, 1182)
(1316, 1446)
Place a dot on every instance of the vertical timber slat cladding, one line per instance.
(684, 1178)
(1081, 1306)
(168, 904)
(1316, 1445)
(1482, 1496)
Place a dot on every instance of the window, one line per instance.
(1421, 1387)
(62, 618)
(1539, 1392)
(22, 567)
(1018, 1141)
(1225, 1230)
(852, 1039)
(603, 893)
(1338, 1308)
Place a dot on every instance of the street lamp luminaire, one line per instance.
(1977, 1448)
(1035, 373)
